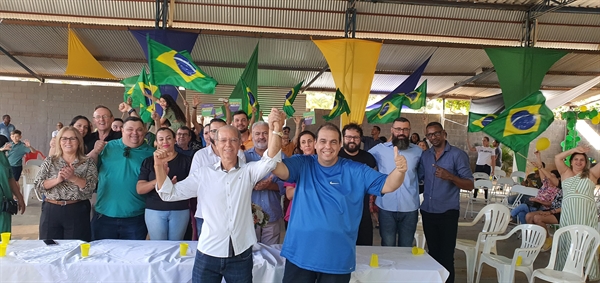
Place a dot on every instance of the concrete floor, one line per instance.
(25, 227)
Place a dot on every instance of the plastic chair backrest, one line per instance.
(480, 175)
(37, 162)
(497, 217)
(520, 189)
(29, 173)
(505, 181)
(584, 243)
(34, 155)
(483, 184)
(499, 173)
(518, 174)
(532, 237)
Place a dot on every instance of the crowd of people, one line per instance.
(181, 179)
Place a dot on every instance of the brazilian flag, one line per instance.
(520, 124)
(387, 112)
(478, 121)
(340, 106)
(169, 67)
(252, 102)
(290, 97)
(417, 98)
(140, 93)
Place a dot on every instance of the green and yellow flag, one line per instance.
(340, 106)
(169, 67)
(290, 97)
(478, 121)
(417, 98)
(387, 112)
(139, 92)
(520, 124)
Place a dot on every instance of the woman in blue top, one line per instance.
(165, 220)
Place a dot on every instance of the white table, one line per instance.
(159, 261)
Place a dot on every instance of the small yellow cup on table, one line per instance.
(85, 249)
(3, 249)
(183, 247)
(374, 261)
(5, 237)
(417, 251)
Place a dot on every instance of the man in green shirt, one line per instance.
(8, 189)
(119, 211)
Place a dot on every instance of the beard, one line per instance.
(351, 149)
(400, 141)
(243, 130)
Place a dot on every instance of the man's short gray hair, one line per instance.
(260, 123)
(229, 127)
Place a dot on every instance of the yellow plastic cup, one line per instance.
(183, 247)
(417, 251)
(5, 237)
(85, 249)
(374, 261)
(3, 250)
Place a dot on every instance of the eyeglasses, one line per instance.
(233, 140)
(352, 138)
(103, 117)
(65, 139)
(126, 151)
(437, 134)
(401, 129)
(182, 134)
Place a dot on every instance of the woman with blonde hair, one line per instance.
(67, 179)
(578, 205)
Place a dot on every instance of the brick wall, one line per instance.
(36, 108)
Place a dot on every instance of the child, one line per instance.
(16, 150)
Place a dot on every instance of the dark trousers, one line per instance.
(483, 169)
(71, 221)
(440, 232)
(210, 269)
(295, 274)
(365, 228)
(130, 228)
(17, 172)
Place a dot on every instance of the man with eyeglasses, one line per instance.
(267, 193)
(224, 191)
(445, 169)
(351, 134)
(119, 211)
(103, 119)
(184, 143)
(206, 157)
(398, 211)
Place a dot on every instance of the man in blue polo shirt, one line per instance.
(398, 211)
(321, 238)
(119, 212)
(266, 193)
(6, 127)
(445, 170)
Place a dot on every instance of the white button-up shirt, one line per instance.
(224, 198)
(208, 157)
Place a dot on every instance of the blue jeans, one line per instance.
(167, 225)
(209, 269)
(199, 222)
(403, 224)
(520, 212)
(130, 228)
(294, 274)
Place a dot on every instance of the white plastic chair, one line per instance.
(520, 190)
(29, 174)
(479, 184)
(584, 243)
(480, 175)
(37, 162)
(532, 240)
(498, 173)
(504, 185)
(518, 174)
(497, 217)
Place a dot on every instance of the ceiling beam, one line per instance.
(483, 5)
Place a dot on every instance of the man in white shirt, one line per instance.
(224, 191)
(207, 157)
(486, 159)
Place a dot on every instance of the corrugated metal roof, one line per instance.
(569, 33)
(578, 63)
(102, 8)
(34, 39)
(111, 43)
(569, 19)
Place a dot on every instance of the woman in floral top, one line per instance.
(548, 216)
(68, 179)
(545, 195)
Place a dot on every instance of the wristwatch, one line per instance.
(280, 134)
(131, 111)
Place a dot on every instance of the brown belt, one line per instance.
(62, 202)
